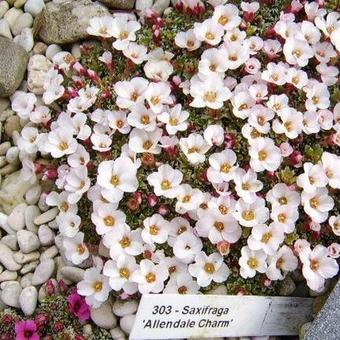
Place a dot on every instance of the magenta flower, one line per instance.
(78, 306)
(26, 330)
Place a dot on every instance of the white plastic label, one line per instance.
(167, 316)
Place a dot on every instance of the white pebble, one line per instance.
(22, 258)
(25, 40)
(5, 31)
(103, 316)
(24, 21)
(12, 16)
(4, 225)
(121, 308)
(6, 258)
(26, 280)
(52, 50)
(32, 195)
(16, 219)
(47, 216)
(29, 267)
(34, 6)
(117, 334)
(142, 5)
(46, 235)
(126, 323)
(10, 294)
(28, 300)
(49, 253)
(10, 241)
(12, 154)
(43, 272)
(31, 213)
(27, 241)
(8, 275)
(4, 7)
(73, 274)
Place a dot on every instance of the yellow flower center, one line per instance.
(98, 286)
(119, 124)
(210, 36)
(282, 217)
(223, 20)
(248, 215)
(147, 145)
(64, 206)
(219, 226)
(150, 277)
(155, 100)
(123, 35)
(283, 200)
(279, 263)
(181, 229)
(182, 290)
(173, 121)
(209, 268)
(63, 146)
(223, 209)
(154, 230)
(165, 185)
(252, 262)
(145, 119)
(186, 199)
(263, 154)
(210, 96)
(225, 167)
(314, 202)
(81, 249)
(109, 221)
(114, 180)
(266, 237)
(124, 273)
(314, 265)
(245, 186)
(125, 242)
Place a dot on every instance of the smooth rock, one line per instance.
(10, 294)
(32, 195)
(29, 267)
(4, 225)
(19, 3)
(27, 241)
(4, 7)
(12, 16)
(73, 274)
(122, 308)
(31, 213)
(5, 30)
(6, 258)
(25, 39)
(119, 4)
(46, 235)
(13, 61)
(12, 124)
(37, 67)
(16, 219)
(143, 5)
(43, 272)
(287, 286)
(160, 6)
(126, 323)
(49, 253)
(28, 300)
(10, 241)
(117, 334)
(24, 21)
(26, 280)
(103, 316)
(218, 290)
(22, 258)
(12, 154)
(67, 22)
(303, 330)
(103, 251)
(4, 102)
(4, 147)
(52, 50)
(47, 216)
(34, 6)
(39, 48)
(7, 275)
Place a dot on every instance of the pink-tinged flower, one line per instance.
(78, 306)
(286, 149)
(26, 330)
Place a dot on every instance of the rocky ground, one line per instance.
(31, 33)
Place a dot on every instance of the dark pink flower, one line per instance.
(26, 330)
(78, 306)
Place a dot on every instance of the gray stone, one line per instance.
(126, 323)
(72, 274)
(32, 195)
(13, 61)
(27, 241)
(7, 275)
(10, 241)
(67, 22)
(160, 6)
(26, 280)
(16, 219)
(28, 300)
(5, 30)
(31, 213)
(122, 308)
(287, 286)
(119, 4)
(4, 7)
(143, 5)
(10, 294)
(34, 6)
(326, 325)
(6, 258)
(43, 272)
(47, 216)
(29, 267)
(117, 334)
(103, 316)
(25, 21)
(49, 253)
(22, 258)
(46, 235)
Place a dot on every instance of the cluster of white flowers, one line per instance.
(148, 112)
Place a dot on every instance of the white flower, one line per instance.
(285, 216)
(218, 227)
(209, 268)
(324, 51)
(158, 70)
(60, 142)
(187, 246)
(227, 16)
(334, 222)
(252, 261)
(95, 287)
(282, 262)
(278, 102)
(237, 55)
(80, 158)
(29, 140)
(317, 204)
(40, 115)
(235, 36)
(61, 201)
(213, 61)
(281, 194)
(242, 101)
(105, 217)
(267, 238)
(328, 25)
(130, 92)
(75, 249)
(317, 266)
(150, 277)
(52, 86)
(117, 120)
(297, 52)
(312, 178)
(136, 53)
(297, 77)
(77, 183)
(250, 214)
(155, 229)
(317, 97)
(222, 166)
(115, 180)
(68, 223)
(310, 33)
(214, 134)
(259, 118)
(182, 284)
(331, 167)
(141, 141)
(310, 122)
(119, 273)
(194, 147)
(175, 119)
(101, 26)
(101, 142)
(188, 199)
(265, 155)
(158, 94)
(291, 124)
(176, 227)
(275, 73)
(166, 181)
(187, 40)
(247, 184)
(329, 74)
(23, 103)
(124, 32)
(208, 31)
(142, 118)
